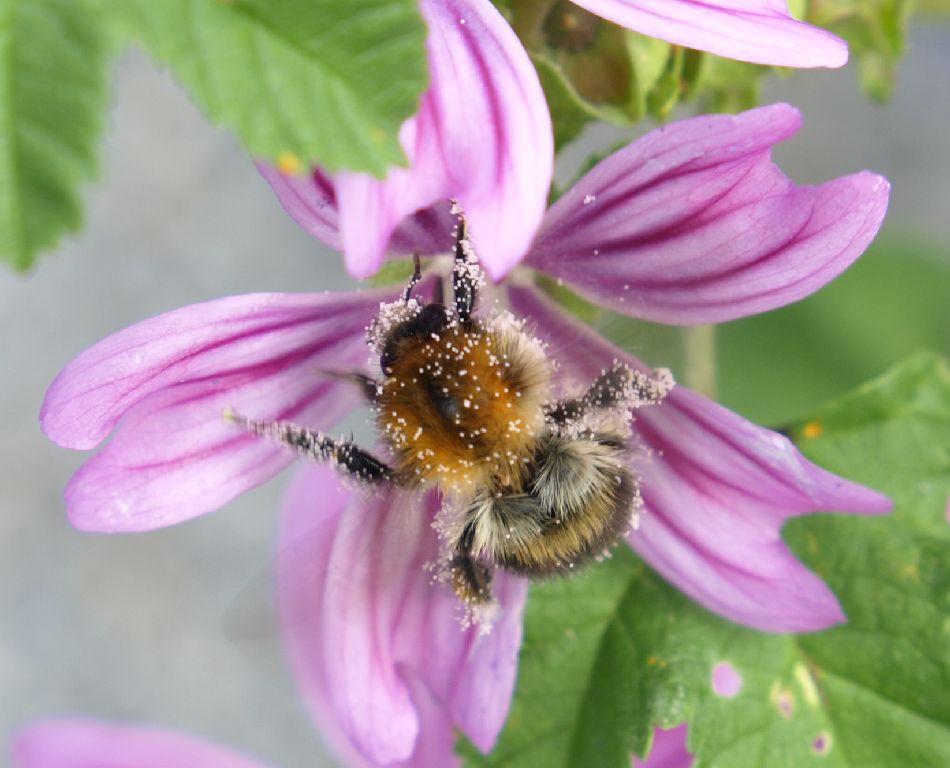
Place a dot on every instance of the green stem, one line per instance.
(699, 359)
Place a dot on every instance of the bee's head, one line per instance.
(431, 320)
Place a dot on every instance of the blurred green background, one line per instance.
(779, 366)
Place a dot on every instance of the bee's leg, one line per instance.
(438, 292)
(414, 280)
(349, 457)
(471, 579)
(618, 386)
(465, 273)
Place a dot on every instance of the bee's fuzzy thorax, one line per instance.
(530, 482)
(464, 404)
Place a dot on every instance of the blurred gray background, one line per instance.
(141, 627)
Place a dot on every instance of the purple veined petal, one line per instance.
(482, 136)
(87, 743)
(167, 382)
(693, 223)
(310, 200)
(668, 751)
(760, 31)
(383, 662)
(717, 490)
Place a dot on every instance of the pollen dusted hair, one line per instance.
(534, 485)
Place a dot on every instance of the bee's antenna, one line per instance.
(414, 280)
(367, 385)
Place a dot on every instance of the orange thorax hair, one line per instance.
(464, 408)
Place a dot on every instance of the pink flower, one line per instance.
(690, 224)
(760, 31)
(377, 648)
(483, 136)
(89, 743)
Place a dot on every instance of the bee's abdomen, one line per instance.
(580, 501)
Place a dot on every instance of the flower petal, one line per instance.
(310, 199)
(311, 202)
(482, 136)
(86, 743)
(760, 31)
(167, 382)
(693, 223)
(378, 649)
(717, 490)
(668, 750)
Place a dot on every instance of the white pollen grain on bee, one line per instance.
(508, 475)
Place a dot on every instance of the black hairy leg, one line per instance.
(414, 280)
(464, 275)
(618, 386)
(352, 460)
(471, 579)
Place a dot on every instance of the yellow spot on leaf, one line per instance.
(911, 572)
(812, 430)
(807, 684)
(289, 163)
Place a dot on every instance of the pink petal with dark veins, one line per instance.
(311, 201)
(693, 223)
(383, 662)
(760, 31)
(717, 490)
(164, 385)
(482, 136)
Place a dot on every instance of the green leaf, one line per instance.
(393, 272)
(724, 85)
(615, 651)
(668, 89)
(53, 90)
(301, 81)
(876, 31)
(776, 367)
(569, 112)
(899, 425)
(648, 57)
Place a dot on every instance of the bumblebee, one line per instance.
(531, 484)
